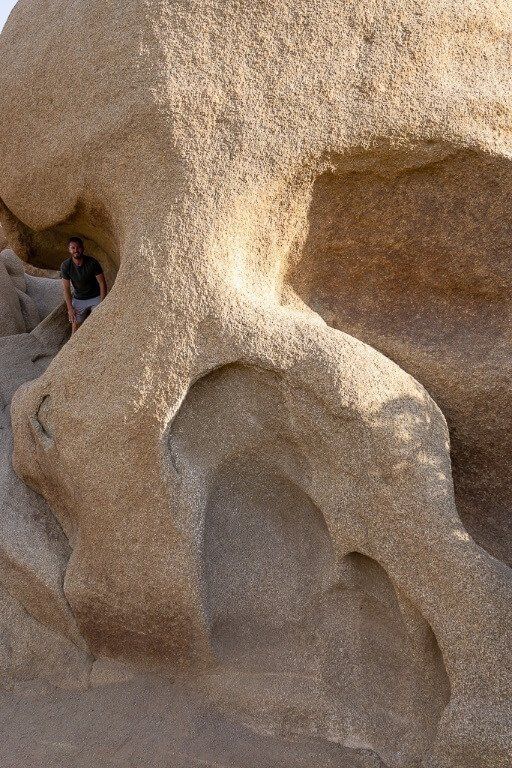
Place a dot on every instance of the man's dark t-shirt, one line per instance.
(83, 279)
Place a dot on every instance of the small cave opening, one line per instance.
(37, 255)
(417, 262)
(309, 638)
(46, 249)
(267, 557)
(388, 672)
(280, 605)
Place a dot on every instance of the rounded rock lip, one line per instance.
(188, 218)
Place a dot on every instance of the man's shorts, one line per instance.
(83, 307)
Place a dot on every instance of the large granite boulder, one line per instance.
(249, 494)
(25, 300)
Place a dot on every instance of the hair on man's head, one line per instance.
(77, 240)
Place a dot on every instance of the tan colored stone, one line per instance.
(11, 316)
(33, 551)
(14, 267)
(24, 300)
(153, 723)
(418, 264)
(45, 292)
(206, 390)
(37, 272)
(30, 652)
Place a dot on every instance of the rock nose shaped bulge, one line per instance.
(265, 178)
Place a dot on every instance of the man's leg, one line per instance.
(88, 306)
(80, 315)
(83, 308)
(93, 303)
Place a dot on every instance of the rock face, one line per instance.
(25, 300)
(249, 493)
(38, 633)
(419, 265)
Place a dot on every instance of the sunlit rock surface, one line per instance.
(237, 476)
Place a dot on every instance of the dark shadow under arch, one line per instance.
(319, 645)
(47, 248)
(417, 262)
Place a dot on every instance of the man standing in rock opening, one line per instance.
(86, 276)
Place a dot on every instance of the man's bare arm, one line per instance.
(66, 286)
(103, 285)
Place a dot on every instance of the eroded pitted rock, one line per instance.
(25, 299)
(39, 638)
(419, 265)
(190, 165)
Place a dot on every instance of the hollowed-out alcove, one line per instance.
(417, 262)
(47, 248)
(306, 640)
(267, 556)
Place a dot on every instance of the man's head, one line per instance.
(76, 247)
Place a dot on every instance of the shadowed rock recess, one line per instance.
(255, 513)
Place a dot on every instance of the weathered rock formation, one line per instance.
(38, 633)
(419, 265)
(245, 495)
(25, 300)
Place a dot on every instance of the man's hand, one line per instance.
(103, 285)
(66, 286)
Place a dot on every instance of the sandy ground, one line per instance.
(146, 723)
